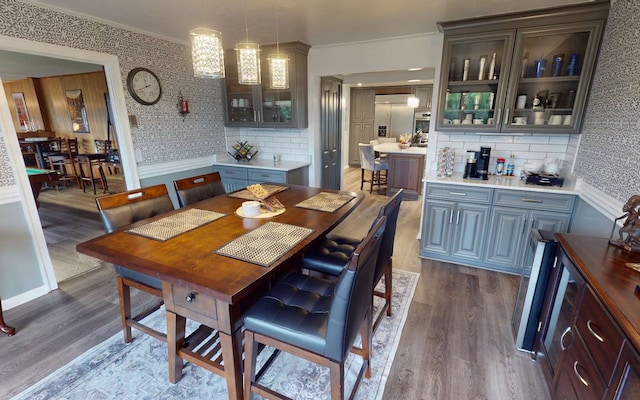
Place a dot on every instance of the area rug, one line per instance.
(115, 370)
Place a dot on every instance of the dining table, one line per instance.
(213, 269)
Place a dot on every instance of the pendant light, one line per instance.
(278, 65)
(248, 57)
(207, 53)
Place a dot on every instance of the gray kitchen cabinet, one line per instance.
(239, 177)
(259, 106)
(510, 230)
(455, 223)
(361, 118)
(522, 72)
(488, 227)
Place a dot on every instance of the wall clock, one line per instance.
(144, 86)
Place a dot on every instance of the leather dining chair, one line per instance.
(332, 255)
(316, 319)
(369, 162)
(120, 209)
(196, 188)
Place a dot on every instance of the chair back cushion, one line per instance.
(196, 188)
(390, 209)
(367, 156)
(120, 209)
(352, 295)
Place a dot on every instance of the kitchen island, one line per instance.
(406, 167)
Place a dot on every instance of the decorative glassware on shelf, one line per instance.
(243, 151)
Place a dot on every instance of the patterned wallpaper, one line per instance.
(608, 157)
(161, 135)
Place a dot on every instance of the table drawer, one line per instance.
(459, 193)
(600, 334)
(191, 304)
(263, 175)
(534, 200)
(582, 373)
(232, 172)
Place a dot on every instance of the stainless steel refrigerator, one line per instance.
(393, 116)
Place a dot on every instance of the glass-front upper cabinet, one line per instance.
(257, 106)
(474, 78)
(525, 72)
(551, 77)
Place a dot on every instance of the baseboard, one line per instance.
(11, 302)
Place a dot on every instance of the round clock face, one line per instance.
(144, 86)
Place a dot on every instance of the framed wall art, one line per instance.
(77, 111)
(21, 111)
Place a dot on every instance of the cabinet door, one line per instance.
(558, 335)
(626, 384)
(549, 221)
(436, 230)
(363, 103)
(506, 236)
(469, 224)
(358, 133)
(467, 91)
(550, 78)
(231, 185)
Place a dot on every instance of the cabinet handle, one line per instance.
(191, 297)
(600, 338)
(575, 369)
(555, 262)
(506, 116)
(562, 346)
(532, 200)
(458, 218)
(457, 193)
(524, 224)
(451, 217)
(498, 115)
(335, 150)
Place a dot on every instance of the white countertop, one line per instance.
(392, 148)
(504, 182)
(262, 164)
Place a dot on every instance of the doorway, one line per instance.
(116, 96)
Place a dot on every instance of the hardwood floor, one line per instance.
(456, 344)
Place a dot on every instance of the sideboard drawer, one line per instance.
(534, 200)
(459, 193)
(263, 175)
(600, 334)
(232, 172)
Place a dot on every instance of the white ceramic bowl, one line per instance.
(250, 208)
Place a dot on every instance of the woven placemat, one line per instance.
(247, 195)
(173, 225)
(323, 201)
(265, 244)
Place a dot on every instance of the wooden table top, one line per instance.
(188, 258)
(603, 267)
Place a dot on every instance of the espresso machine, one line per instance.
(477, 164)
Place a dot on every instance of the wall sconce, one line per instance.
(183, 106)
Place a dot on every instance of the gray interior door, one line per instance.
(331, 131)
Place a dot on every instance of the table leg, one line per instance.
(232, 358)
(4, 327)
(176, 325)
(40, 158)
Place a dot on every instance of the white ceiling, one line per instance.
(315, 22)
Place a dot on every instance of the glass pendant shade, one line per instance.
(248, 56)
(413, 102)
(278, 71)
(207, 53)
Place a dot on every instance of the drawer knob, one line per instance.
(191, 297)
(592, 331)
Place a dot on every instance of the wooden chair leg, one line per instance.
(336, 374)
(372, 181)
(388, 283)
(4, 328)
(250, 356)
(103, 179)
(124, 293)
(361, 178)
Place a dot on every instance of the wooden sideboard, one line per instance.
(589, 337)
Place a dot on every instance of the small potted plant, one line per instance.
(404, 140)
